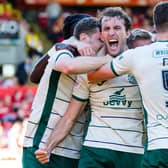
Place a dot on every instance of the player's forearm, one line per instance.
(65, 124)
(84, 64)
(62, 129)
(103, 73)
(38, 69)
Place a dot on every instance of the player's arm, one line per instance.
(78, 65)
(39, 67)
(103, 73)
(61, 130)
(83, 48)
(66, 123)
(122, 64)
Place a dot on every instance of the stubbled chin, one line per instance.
(114, 52)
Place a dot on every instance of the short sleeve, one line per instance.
(123, 63)
(56, 55)
(81, 88)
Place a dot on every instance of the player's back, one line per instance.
(151, 71)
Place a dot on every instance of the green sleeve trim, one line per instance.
(60, 54)
(112, 68)
(162, 40)
(79, 99)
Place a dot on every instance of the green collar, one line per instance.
(162, 41)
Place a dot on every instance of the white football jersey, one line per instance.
(51, 101)
(116, 113)
(149, 65)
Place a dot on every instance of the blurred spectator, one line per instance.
(24, 68)
(33, 42)
(128, 11)
(15, 105)
(53, 11)
(6, 9)
(8, 82)
(4, 110)
(56, 35)
(146, 25)
(3, 137)
(2, 8)
(149, 15)
(136, 22)
(14, 135)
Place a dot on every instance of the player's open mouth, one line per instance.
(113, 44)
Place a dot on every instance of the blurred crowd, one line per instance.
(15, 107)
(142, 18)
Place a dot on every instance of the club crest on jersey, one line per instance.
(118, 100)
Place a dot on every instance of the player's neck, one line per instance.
(162, 36)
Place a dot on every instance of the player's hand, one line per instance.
(85, 49)
(42, 155)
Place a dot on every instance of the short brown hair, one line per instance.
(86, 25)
(160, 16)
(116, 12)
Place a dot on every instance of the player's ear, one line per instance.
(128, 32)
(101, 37)
(83, 36)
